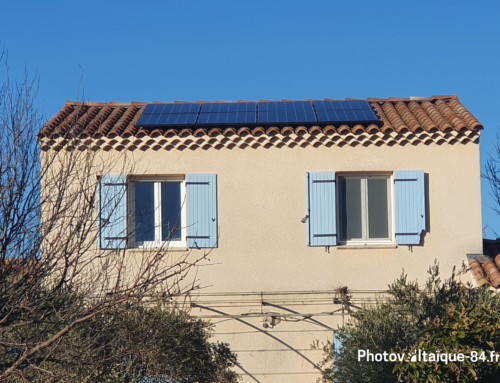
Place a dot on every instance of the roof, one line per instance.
(435, 119)
(486, 266)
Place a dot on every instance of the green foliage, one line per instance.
(470, 327)
(126, 344)
(443, 315)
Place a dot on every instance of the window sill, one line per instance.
(153, 249)
(369, 246)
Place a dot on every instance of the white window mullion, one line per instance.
(390, 201)
(367, 211)
(157, 212)
(183, 212)
(364, 208)
(131, 210)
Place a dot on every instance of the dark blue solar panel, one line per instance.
(338, 115)
(227, 107)
(364, 105)
(168, 119)
(285, 106)
(286, 111)
(185, 119)
(169, 114)
(149, 108)
(344, 105)
(185, 108)
(348, 111)
(227, 118)
(365, 115)
(286, 116)
(228, 113)
(327, 115)
(171, 108)
(344, 111)
(144, 120)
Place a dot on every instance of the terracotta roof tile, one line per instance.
(464, 114)
(400, 115)
(436, 116)
(478, 272)
(408, 117)
(422, 117)
(486, 266)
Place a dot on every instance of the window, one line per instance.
(158, 212)
(365, 208)
(151, 211)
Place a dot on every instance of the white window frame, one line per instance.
(158, 243)
(391, 240)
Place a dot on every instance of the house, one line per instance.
(311, 207)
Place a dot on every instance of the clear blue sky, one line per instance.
(228, 50)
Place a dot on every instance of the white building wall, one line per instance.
(263, 244)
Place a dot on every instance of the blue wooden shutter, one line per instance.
(337, 343)
(321, 209)
(337, 346)
(113, 212)
(202, 210)
(410, 206)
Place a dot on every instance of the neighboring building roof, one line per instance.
(437, 119)
(486, 266)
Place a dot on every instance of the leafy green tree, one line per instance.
(443, 315)
(125, 344)
(470, 327)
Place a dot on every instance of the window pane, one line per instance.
(144, 212)
(350, 201)
(171, 211)
(378, 226)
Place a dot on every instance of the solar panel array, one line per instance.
(290, 111)
(169, 114)
(228, 113)
(345, 111)
(251, 113)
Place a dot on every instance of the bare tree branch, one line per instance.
(53, 277)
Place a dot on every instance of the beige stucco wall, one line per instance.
(262, 246)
